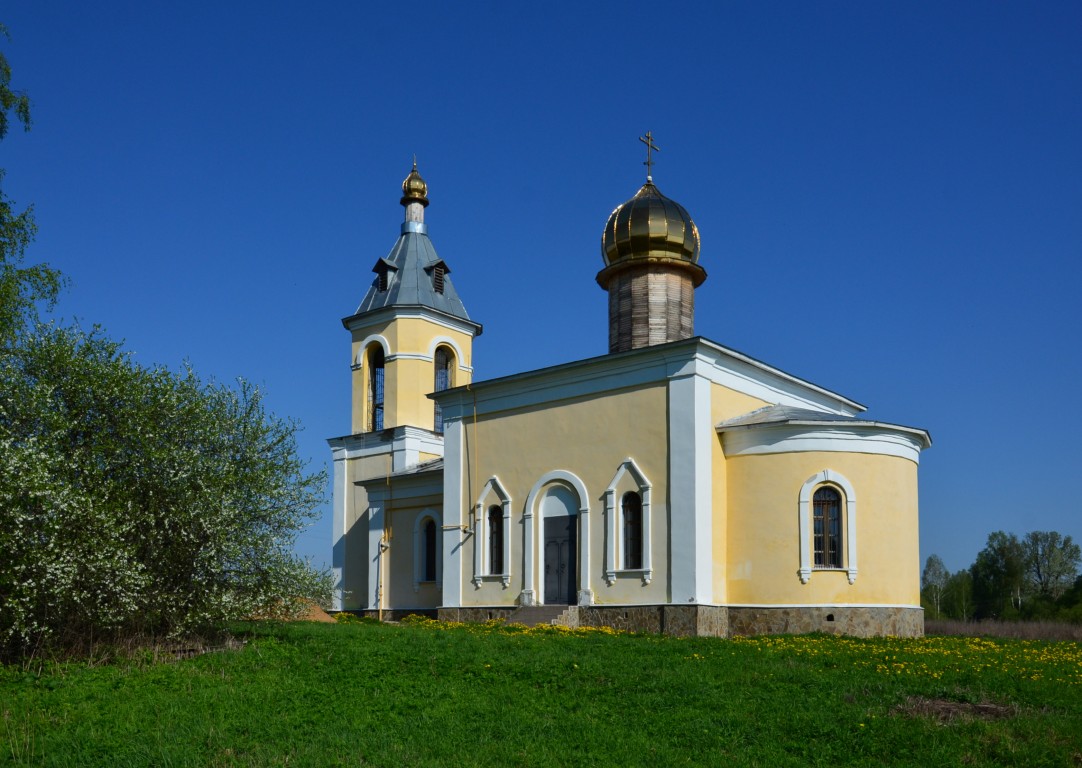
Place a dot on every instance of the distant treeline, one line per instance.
(1033, 578)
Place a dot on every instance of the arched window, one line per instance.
(627, 525)
(375, 388)
(495, 540)
(430, 550)
(632, 546)
(444, 380)
(827, 528)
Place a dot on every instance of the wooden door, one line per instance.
(560, 557)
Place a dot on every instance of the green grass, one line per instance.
(427, 694)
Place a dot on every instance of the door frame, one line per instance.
(534, 539)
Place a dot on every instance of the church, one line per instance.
(672, 485)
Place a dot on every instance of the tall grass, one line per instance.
(1018, 630)
(433, 694)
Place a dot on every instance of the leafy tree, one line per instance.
(999, 586)
(22, 288)
(11, 101)
(958, 596)
(933, 582)
(1051, 563)
(139, 500)
(132, 499)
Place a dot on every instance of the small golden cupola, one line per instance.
(651, 252)
(414, 188)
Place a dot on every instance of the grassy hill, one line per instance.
(446, 695)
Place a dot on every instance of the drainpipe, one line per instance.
(383, 547)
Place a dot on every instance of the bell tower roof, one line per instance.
(413, 274)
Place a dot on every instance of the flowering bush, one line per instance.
(140, 500)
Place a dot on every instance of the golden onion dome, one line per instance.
(414, 189)
(650, 225)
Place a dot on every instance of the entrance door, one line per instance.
(560, 550)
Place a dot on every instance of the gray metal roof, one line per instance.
(780, 414)
(432, 465)
(410, 282)
(787, 414)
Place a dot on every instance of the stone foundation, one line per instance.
(395, 614)
(857, 622)
(476, 614)
(675, 620)
(713, 620)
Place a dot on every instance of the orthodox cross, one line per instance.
(648, 140)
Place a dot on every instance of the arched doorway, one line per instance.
(559, 518)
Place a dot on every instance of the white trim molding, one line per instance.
(459, 357)
(358, 361)
(827, 477)
(613, 554)
(418, 548)
(533, 540)
(482, 565)
(846, 437)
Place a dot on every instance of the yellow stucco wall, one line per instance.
(355, 574)
(590, 437)
(762, 541)
(407, 382)
(399, 589)
(725, 404)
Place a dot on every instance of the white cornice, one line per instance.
(650, 365)
(411, 311)
(374, 443)
(742, 373)
(847, 437)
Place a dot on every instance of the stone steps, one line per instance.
(556, 615)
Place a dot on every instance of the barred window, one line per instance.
(444, 365)
(827, 528)
(375, 388)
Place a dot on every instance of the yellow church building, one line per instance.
(672, 485)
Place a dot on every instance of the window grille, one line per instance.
(375, 389)
(827, 528)
(444, 366)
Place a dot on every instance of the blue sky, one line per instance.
(889, 197)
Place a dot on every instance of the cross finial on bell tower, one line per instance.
(648, 140)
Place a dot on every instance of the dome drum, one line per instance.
(651, 251)
(649, 304)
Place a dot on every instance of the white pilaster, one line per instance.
(376, 551)
(453, 467)
(341, 489)
(690, 488)
(586, 595)
(528, 595)
(612, 529)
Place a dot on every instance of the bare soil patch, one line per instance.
(947, 711)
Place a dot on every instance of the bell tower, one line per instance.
(409, 337)
(411, 334)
